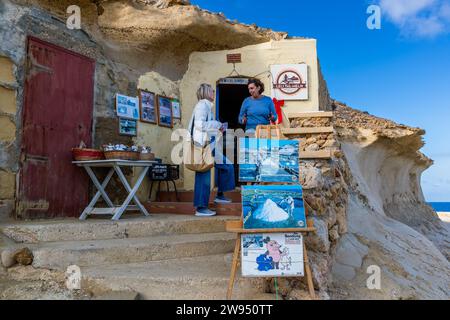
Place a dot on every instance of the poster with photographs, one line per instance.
(176, 109)
(127, 127)
(127, 107)
(148, 107)
(272, 255)
(266, 160)
(165, 118)
(273, 207)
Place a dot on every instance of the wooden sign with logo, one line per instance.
(290, 81)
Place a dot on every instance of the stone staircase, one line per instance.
(167, 202)
(163, 256)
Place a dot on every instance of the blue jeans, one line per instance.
(202, 188)
(224, 178)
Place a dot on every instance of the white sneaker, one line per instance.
(222, 200)
(205, 213)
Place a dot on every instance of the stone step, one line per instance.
(130, 226)
(187, 208)
(59, 255)
(118, 295)
(192, 278)
(188, 196)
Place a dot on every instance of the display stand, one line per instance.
(238, 228)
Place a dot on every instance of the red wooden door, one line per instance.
(57, 115)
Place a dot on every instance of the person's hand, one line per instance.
(244, 120)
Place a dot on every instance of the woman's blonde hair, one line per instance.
(205, 91)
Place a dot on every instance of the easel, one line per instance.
(238, 228)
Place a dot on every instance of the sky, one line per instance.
(400, 71)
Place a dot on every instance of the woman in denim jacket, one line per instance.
(203, 126)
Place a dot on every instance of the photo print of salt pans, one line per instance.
(264, 160)
(272, 254)
(273, 207)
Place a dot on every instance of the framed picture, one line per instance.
(273, 207)
(127, 127)
(165, 118)
(176, 109)
(272, 255)
(127, 107)
(265, 160)
(147, 101)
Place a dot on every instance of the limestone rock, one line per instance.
(320, 268)
(8, 258)
(311, 178)
(313, 147)
(342, 271)
(119, 295)
(299, 294)
(334, 233)
(24, 257)
(319, 240)
(341, 219)
(350, 251)
(330, 143)
(311, 140)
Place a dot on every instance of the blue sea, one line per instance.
(440, 206)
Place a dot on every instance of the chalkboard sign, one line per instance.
(164, 172)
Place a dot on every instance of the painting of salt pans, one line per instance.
(264, 160)
(272, 207)
(272, 255)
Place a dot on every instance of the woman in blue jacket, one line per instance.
(257, 109)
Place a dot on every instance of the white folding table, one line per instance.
(114, 165)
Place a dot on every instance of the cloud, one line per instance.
(418, 18)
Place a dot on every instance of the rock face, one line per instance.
(366, 202)
(389, 224)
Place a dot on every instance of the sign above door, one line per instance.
(290, 81)
(240, 81)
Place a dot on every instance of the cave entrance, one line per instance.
(230, 93)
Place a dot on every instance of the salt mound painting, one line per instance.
(264, 160)
(273, 207)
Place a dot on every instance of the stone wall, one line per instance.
(313, 141)
(326, 198)
(19, 22)
(325, 102)
(127, 39)
(8, 128)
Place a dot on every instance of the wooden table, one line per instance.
(115, 166)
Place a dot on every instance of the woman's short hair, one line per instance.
(257, 83)
(205, 91)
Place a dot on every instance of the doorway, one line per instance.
(58, 111)
(231, 92)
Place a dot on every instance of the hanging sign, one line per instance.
(290, 81)
(234, 58)
(239, 81)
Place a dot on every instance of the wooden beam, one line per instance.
(322, 154)
(319, 114)
(307, 130)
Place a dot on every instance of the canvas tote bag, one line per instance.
(197, 158)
